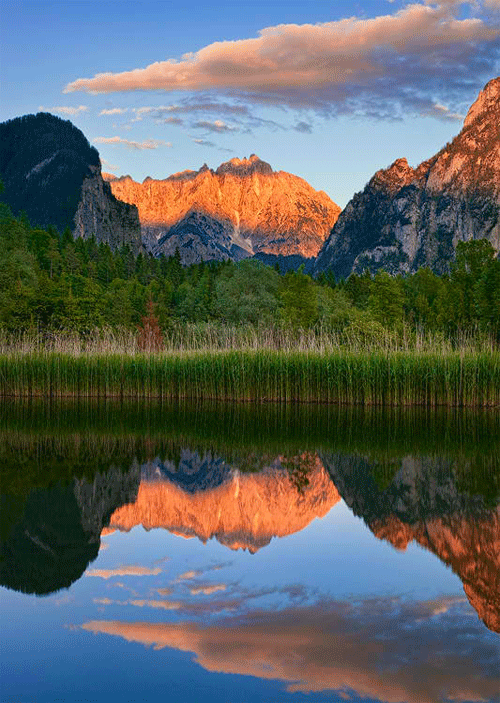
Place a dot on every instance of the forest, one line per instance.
(51, 282)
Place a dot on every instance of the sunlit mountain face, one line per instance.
(330, 553)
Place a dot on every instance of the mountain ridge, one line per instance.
(258, 209)
(408, 217)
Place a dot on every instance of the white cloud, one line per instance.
(67, 110)
(123, 571)
(146, 144)
(114, 111)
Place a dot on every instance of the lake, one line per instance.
(248, 552)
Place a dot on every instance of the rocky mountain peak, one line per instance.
(243, 208)
(244, 167)
(398, 175)
(407, 218)
(487, 104)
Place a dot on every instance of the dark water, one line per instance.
(248, 553)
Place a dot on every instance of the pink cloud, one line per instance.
(314, 64)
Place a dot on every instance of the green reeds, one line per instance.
(339, 376)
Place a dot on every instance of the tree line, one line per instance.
(50, 281)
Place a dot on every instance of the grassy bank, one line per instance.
(389, 377)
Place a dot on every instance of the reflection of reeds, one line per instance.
(42, 443)
(454, 378)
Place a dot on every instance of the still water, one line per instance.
(246, 553)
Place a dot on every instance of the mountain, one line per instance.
(51, 172)
(406, 218)
(242, 208)
(241, 510)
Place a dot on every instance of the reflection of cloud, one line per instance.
(387, 649)
(123, 571)
(207, 589)
(410, 56)
(146, 144)
(162, 604)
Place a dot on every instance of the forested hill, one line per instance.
(52, 174)
(43, 162)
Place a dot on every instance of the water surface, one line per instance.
(249, 553)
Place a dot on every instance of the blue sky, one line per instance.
(328, 91)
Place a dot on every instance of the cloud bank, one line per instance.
(416, 57)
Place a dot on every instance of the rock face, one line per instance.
(241, 511)
(423, 503)
(51, 172)
(242, 208)
(406, 218)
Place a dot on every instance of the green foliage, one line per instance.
(51, 282)
(247, 292)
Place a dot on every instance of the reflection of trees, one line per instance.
(50, 535)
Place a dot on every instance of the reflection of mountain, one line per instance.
(423, 503)
(57, 530)
(242, 511)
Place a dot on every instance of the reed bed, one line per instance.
(331, 375)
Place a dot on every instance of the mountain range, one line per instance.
(404, 218)
(240, 209)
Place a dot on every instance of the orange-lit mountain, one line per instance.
(245, 511)
(240, 209)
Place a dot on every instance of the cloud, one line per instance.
(147, 144)
(204, 142)
(114, 111)
(241, 115)
(388, 649)
(303, 127)
(123, 571)
(106, 164)
(217, 126)
(412, 57)
(207, 589)
(187, 575)
(66, 110)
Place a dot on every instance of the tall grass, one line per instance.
(346, 376)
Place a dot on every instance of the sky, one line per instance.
(329, 91)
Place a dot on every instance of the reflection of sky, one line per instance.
(328, 607)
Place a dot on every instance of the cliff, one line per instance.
(241, 208)
(406, 218)
(51, 172)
